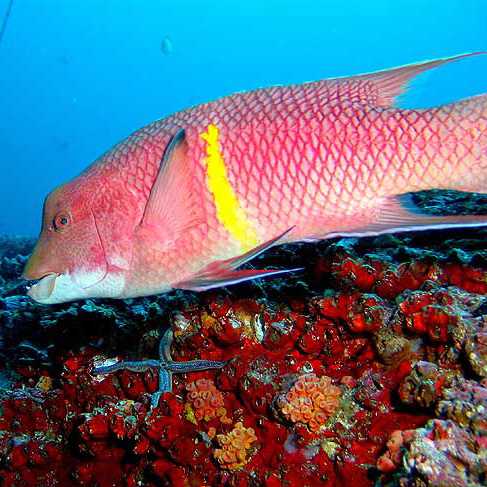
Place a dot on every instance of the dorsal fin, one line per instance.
(170, 208)
(389, 84)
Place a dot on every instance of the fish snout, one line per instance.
(35, 268)
(44, 260)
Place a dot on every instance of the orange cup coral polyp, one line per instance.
(235, 447)
(311, 400)
(205, 401)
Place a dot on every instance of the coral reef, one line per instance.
(311, 401)
(368, 368)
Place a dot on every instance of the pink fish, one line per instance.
(184, 201)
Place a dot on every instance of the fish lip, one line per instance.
(36, 278)
(43, 287)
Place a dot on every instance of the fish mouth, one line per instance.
(43, 288)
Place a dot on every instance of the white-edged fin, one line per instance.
(203, 282)
(391, 83)
(171, 208)
(400, 214)
(223, 273)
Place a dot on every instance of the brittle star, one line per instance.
(165, 366)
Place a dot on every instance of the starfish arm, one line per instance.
(165, 381)
(165, 346)
(165, 385)
(154, 399)
(134, 366)
(194, 365)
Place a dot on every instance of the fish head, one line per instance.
(69, 258)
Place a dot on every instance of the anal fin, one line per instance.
(224, 273)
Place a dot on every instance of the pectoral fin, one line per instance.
(171, 208)
(223, 273)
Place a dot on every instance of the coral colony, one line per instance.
(368, 369)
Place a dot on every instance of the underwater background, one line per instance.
(79, 76)
(367, 367)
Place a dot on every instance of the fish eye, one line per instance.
(62, 221)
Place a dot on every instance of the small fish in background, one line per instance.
(63, 59)
(59, 143)
(167, 46)
(186, 200)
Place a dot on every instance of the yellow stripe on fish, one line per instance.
(229, 211)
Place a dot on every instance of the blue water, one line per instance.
(78, 76)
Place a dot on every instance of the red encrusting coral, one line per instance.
(374, 274)
(325, 389)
